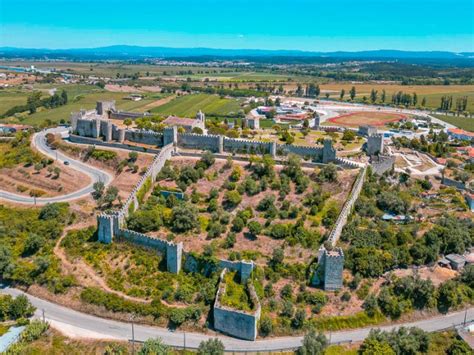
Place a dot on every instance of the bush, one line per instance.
(232, 199)
(211, 347)
(154, 347)
(266, 326)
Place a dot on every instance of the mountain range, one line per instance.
(138, 52)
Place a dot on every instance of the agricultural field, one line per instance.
(79, 97)
(189, 105)
(461, 122)
(432, 93)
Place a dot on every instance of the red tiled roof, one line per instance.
(460, 131)
(179, 121)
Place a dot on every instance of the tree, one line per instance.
(266, 326)
(232, 199)
(313, 344)
(99, 188)
(348, 135)
(255, 228)
(341, 95)
(459, 347)
(33, 243)
(298, 321)
(184, 218)
(373, 96)
(132, 157)
(64, 97)
(57, 172)
(423, 102)
(127, 122)
(5, 257)
(277, 257)
(328, 173)
(21, 308)
(110, 196)
(211, 347)
(370, 305)
(383, 96)
(38, 167)
(154, 347)
(352, 93)
(372, 346)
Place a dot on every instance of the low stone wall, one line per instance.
(234, 322)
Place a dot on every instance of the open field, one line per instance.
(432, 93)
(357, 119)
(80, 97)
(461, 122)
(189, 105)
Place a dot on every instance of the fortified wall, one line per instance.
(84, 126)
(112, 225)
(331, 262)
(240, 324)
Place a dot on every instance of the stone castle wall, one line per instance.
(330, 266)
(96, 128)
(199, 141)
(173, 251)
(347, 208)
(144, 137)
(234, 322)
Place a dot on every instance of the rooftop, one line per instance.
(179, 121)
(460, 131)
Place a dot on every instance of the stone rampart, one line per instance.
(173, 251)
(144, 137)
(237, 323)
(234, 145)
(198, 141)
(347, 208)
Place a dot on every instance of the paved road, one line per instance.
(84, 325)
(95, 174)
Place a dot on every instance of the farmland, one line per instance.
(80, 97)
(432, 93)
(461, 122)
(189, 105)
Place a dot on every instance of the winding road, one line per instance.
(39, 142)
(77, 324)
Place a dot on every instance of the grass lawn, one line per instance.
(189, 105)
(461, 122)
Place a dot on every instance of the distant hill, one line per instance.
(137, 52)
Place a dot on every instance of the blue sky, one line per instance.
(318, 25)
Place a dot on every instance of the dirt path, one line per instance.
(85, 274)
(158, 103)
